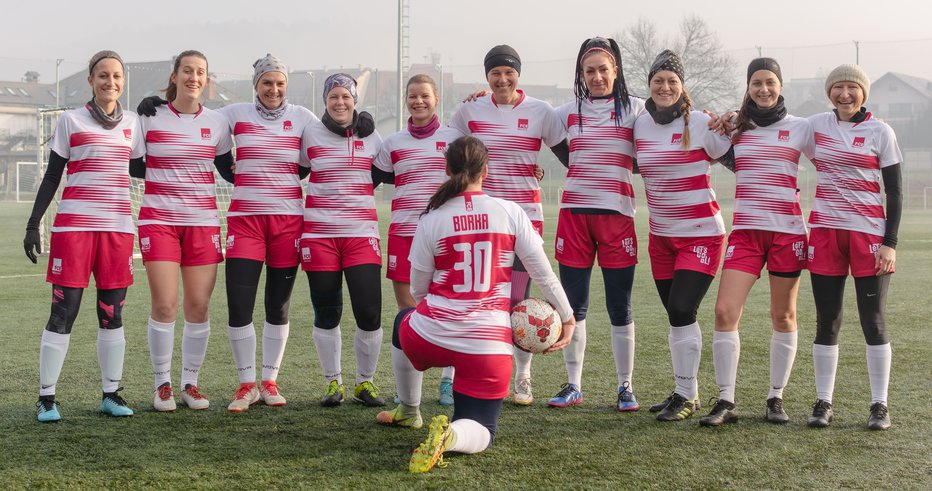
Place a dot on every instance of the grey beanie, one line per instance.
(101, 55)
(848, 73)
(266, 64)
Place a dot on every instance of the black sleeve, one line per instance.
(50, 181)
(224, 164)
(137, 168)
(303, 172)
(562, 152)
(893, 187)
(728, 160)
(634, 167)
(379, 176)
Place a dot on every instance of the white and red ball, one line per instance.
(535, 325)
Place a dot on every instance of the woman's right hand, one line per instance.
(475, 95)
(32, 243)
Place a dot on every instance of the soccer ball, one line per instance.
(535, 325)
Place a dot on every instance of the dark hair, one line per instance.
(466, 157)
(172, 90)
(743, 123)
(619, 88)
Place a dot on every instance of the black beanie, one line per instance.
(667, 60)
(764, 64)
(502, 55)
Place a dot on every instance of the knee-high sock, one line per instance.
(329, 344)
(686, 350)
(243, 343)
(193, 350)
(368, 345)
(407, 378)
(726, 350)
(879, 358)
(111, 347)
(52, 350)
(782, 356)
(623, 349)
(469, 436)
(161, 345)
(825, 363)
(575, 354)
(522, 364)
(447, 372)
(274, 339)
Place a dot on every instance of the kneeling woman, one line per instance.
(463, 303)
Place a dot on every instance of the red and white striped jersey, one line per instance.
(96, 193)
(180, 152)
(601, 155)
(267, 156)
(469, 245)
(339, 201)
(420, 168)
(513, 135)
(680, 198)
(766, 167)
(848, 159)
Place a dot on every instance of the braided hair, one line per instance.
(685, 109)
(619, 88)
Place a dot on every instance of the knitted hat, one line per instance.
(848, 73)
(100, 55)
(667, 60)
(502, 55)
(268, 63)
(340, 80)
(768, 64)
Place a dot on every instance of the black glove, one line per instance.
(147, 105)
(32, 243)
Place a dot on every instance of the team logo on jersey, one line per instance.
(359, 145)
(128, 134)
(783, 135)
(286, 126)
(560, 244)
(144, 244)
(468, 199)
(702, 253)
(522, 124)
(392, 261)
(230, 239)
(676, 139)
(306, 254)
(205, 133)
(56, 265)
(858, 141)
(442, 147)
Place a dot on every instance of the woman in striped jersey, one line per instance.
(341, 237)
(768, 228)
(92, 232)
(597, 210)
(416, 158)
(179, 225)
(854, 154)
(675, 150)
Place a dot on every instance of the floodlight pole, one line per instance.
(57, 97)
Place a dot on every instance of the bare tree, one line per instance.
(711, 74)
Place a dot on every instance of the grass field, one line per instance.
(585, 447)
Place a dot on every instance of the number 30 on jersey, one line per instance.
(476, 266)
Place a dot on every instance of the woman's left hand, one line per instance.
(566, 335)
(538, 172)
(885, 260)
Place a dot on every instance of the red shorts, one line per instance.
(399, 267)
(339, 253)
(669, 254)
(479, 376)
(73, 256)
(832, 251)
(748, 250)
(186, 245)
(272, 239)
(580, 237)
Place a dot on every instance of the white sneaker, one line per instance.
(523, 395)
(246, 395)
(270, 395)
(193, 398)
(164, 399)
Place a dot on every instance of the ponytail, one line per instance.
(467, 158)
(744, 122)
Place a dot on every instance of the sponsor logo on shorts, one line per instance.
(215, 238)
(702, 253)
(375, 246)
(359, 145)
(783, 135)
(286, 126)
(130, 265)
(522, 124)
(874, 248)
(630, 248)
(205, 133)
(230, 239)
(306, 254)
(442, 147)
(798, 249)
(128, 134)
(560, 244)
(730, 251)
(145, 245)
(297, 244)
(392, 261)
(811, 254)
(858, 141)
(676, 139)
(56, 265)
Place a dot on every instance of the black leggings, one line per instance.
(66, 303)
(365, 289)
(242, 280)
(829, 294)
(683, 294)
(618, 285)
(483, 411)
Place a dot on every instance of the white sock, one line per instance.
(825, 363)
(52, 350)
(368, 345)
(111, 346)
(686, 350)
(193, 350)
(726, 350)
(623, 349)
(243, 343)
(878, 370)
(782, 356)
(522, 364)
(447, 372)
(274, 339)
(161, 345)
(408, 380)
(575, 353)
(329, 343)
(469, 436)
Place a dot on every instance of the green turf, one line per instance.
(590, 446)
